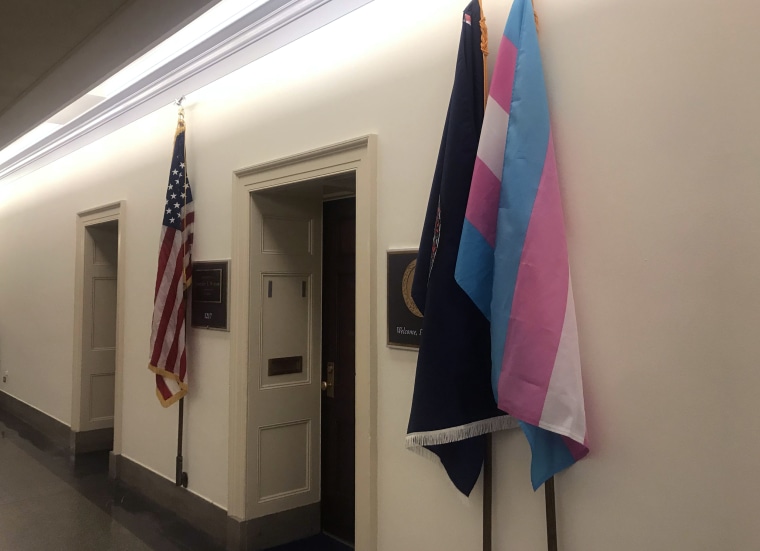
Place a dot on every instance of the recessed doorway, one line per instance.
(97, 331)
(281, 478)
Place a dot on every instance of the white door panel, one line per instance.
(285, 343)
(285, 328)
(99, 326)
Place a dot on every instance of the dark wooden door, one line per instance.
(338, 339)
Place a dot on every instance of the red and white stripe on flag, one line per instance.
(168, 356)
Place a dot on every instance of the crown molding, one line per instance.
(264, 30)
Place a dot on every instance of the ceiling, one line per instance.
(54, 51)
(41, 33)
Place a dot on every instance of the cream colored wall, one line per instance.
(655, 112)
(660, 161)
(655, 119)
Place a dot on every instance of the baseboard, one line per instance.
(272, 530)
(248, 535)
(52, 429)
(91, 441)
(190, 507)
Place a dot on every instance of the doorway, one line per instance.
(272, 496)
(302, 358)
(338, 367)
(96, 338)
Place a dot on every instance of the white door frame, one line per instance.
(90, 217)
(358, 156)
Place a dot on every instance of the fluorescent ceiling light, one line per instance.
(206, 25)
(230, 35)
(74, 110)
(28, 140)
(212, 21)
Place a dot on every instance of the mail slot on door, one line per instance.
(285, 366)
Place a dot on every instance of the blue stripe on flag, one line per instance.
(474, 270)
(514, 21)
(550, 454)
(524, 158)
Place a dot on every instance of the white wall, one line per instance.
(655, 119)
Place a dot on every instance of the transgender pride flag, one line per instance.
(513, 257)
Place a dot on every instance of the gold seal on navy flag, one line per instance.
(406, 288)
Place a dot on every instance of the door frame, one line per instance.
(359, 156)
(92, 217)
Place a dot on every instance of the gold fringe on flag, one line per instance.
(180, 122)
(484, 49)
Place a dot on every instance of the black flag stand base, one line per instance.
(181, 476)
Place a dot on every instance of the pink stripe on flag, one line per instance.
(483, 205)
(503, 78)
(538, 308)
(578, 451)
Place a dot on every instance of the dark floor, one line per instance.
(316, 543)
(50, 502)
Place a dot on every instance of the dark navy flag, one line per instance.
(453, 406)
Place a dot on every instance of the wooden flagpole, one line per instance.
(549, 496)
(181, 478)
(488, 460)
(551, 515)
(488, 495)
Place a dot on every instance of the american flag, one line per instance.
(168, 358)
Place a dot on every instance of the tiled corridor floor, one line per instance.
(50, 503)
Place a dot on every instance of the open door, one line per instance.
(351, 166)
(284, 361)
(339, 368)
(99, 328)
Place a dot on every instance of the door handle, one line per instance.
(329, 385)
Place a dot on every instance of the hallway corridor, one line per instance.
(49, 502)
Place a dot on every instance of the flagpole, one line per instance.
(181, 478)
(549, 496)
(488, 460)
(488, 496)
(551, 515)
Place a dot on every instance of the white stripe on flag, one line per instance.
(160, 298)
(564, 411)
(493, 137)
(172, 385)
(171, 328)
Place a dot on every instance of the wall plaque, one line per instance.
(404, 318)
(210, 295)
